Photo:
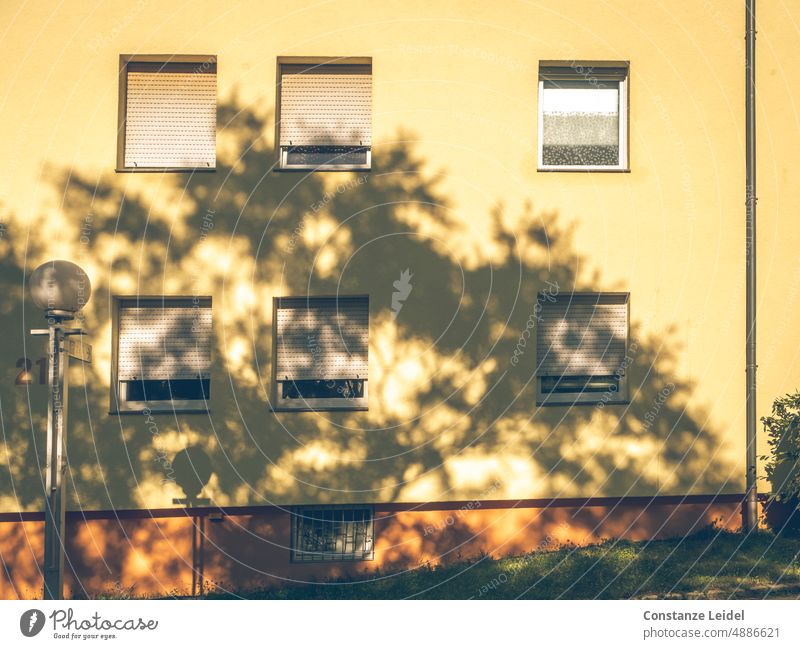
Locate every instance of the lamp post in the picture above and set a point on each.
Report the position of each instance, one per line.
(60, 289)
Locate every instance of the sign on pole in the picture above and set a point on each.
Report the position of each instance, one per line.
(78, 349)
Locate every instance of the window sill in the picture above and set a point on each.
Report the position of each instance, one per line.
(322, 405)
(300, 562)
(322, 168)
(580, 401)
(158, 170)
(162, 411)
(320, 409)
(605, 170)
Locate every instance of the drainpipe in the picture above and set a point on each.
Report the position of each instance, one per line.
(750, 509)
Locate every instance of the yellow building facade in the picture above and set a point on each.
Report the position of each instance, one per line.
(452, 450)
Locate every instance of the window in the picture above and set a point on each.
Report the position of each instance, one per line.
(581, 349)
(583, 116)
(167, 113)
(323, 533)
(324, 113)
(162, 354)
(320, 353)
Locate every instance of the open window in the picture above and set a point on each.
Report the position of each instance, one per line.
(167, 113)
(332, 533)
(583, 116)
(581, 349)
(324, 116)
(162, 354)
(320, 354)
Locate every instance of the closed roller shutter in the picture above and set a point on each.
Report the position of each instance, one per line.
(565, 72)
(322, 338)
(171, 117)
(582, 335)
(164, 342)
(326, 109)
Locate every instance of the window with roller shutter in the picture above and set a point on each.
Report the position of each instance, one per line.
(583, 115)
(162, 353)
(321, 347)
(324, 111)
(581, 348)
(168, 113)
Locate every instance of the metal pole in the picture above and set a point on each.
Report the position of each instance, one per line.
(56, 464)
(750, 509)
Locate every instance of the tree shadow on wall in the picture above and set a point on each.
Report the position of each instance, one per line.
(449, 416)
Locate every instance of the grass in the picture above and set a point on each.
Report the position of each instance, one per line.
(710, 564)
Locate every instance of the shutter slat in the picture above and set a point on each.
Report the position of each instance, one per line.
(322, 338)
(160, 343)
(581, 338)
(171, 119)
(326, 110)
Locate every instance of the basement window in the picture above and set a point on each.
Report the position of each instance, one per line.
(167, 113)
(321, 353)
(583, 116)
(324, 533)
(324, 114)
(162, 354)
(581, 349)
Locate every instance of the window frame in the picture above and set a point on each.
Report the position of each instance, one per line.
(122, 106)
(623, 165)
(277, 404)
(622, 394)
(319, 61)
(294, 514)
(120, 406)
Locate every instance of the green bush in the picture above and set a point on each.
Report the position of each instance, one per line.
(783, 428)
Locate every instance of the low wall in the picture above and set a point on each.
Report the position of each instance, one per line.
(151, 553)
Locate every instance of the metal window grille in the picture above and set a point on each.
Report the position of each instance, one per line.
(332, 534)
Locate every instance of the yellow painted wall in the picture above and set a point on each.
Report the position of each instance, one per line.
(454, 195)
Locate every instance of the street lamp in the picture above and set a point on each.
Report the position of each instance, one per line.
(60, 288)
